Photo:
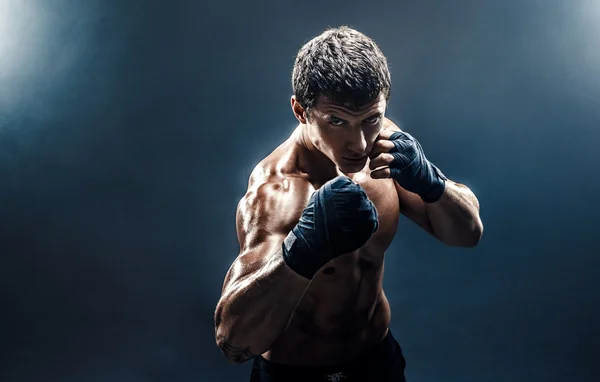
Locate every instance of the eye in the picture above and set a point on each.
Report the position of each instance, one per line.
(336, 121)
(373, 119)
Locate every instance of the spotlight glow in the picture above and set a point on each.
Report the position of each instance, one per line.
(22, 33)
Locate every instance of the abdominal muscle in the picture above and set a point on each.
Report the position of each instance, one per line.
(343, 313)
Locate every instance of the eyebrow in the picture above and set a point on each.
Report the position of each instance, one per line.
(335, 115)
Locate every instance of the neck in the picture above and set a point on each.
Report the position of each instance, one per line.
(312, 161)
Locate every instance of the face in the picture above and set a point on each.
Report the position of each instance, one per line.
(345, 136)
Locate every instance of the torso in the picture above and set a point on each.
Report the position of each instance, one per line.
(344, 311)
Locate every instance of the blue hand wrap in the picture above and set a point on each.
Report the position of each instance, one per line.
(413, 171)
(338, 219)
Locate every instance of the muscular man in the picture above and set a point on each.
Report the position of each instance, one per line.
(304, 297)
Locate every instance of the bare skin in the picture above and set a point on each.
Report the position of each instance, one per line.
(268, 309)
(344, 311)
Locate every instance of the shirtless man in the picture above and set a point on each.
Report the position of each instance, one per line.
(304, 297)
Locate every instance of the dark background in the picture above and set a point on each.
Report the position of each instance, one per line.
(128, 130)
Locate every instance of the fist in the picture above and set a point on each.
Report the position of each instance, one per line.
(398, 155)
(338, 219)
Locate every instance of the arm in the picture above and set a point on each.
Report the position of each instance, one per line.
(268, 280)
(453, 218)
(260, 292)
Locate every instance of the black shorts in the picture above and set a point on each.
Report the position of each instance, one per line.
(383, 363)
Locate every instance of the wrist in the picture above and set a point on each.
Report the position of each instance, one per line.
(299, 257)
(437, 185)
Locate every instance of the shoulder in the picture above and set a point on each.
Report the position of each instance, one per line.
(272, 204)
(389, 125)
(270, 189)
(281, 163)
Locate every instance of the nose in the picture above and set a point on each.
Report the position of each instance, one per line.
(357, 142)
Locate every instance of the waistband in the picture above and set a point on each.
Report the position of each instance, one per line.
(380, 353)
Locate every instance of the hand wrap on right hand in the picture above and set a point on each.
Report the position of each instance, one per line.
(338, 219)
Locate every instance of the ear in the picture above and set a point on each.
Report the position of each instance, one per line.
(298, 110)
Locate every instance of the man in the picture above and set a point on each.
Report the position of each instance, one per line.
(304, 298)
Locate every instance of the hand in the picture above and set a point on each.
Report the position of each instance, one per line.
(338, 219)
(399, 156)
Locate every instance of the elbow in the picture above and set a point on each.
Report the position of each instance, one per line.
(222, 335)
(230, 354)
(234, 353)
(473, 235)
(236, 348)
(469, 237)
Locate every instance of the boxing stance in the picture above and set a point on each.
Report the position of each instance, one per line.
(304, 297)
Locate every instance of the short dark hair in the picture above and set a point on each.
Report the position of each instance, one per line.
(343, 65)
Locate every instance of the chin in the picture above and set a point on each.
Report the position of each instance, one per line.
(350, 169)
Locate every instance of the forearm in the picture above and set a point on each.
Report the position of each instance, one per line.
(454, 218)
(254, 311)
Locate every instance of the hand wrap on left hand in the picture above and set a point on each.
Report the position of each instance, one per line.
(411, 169)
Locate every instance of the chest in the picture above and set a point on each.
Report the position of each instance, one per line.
(355, 278)
(352, 282)
(384, 196)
